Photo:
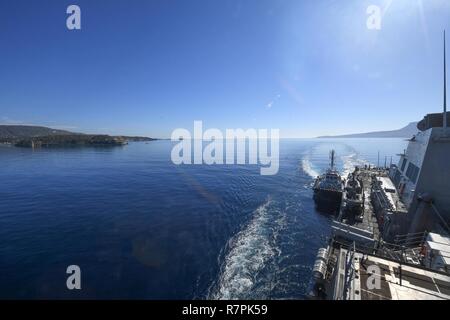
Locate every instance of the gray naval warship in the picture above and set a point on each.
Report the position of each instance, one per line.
(390, 239)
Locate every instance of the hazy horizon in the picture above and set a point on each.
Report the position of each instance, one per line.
(168, 137)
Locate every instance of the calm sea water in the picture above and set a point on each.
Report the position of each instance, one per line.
(140, 227)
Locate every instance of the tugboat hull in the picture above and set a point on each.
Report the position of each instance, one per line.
(327, 200)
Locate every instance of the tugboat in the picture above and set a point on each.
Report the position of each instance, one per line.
(328, 189)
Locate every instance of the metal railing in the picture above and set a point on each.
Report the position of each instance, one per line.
(411, 240)
(349, 269)
(405, 250)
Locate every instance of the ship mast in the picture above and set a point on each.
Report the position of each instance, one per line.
(445, 91)
(332, 159)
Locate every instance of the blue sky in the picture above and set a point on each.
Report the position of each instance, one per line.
(148, 67)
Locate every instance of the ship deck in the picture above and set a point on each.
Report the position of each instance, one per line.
(395, 281)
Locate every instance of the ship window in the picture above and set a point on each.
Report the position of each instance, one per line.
(404, 164)
(412, 172)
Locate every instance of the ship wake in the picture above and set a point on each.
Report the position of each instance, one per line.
(249, 254)
(351, 161)
(308, 168)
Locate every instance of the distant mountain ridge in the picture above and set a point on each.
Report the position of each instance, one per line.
(405, 132)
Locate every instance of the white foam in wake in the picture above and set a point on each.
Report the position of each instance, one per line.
(249, 252)
(307, 167)
(350, 162)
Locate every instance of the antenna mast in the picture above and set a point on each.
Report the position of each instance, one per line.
(332, 159)
(445, 90)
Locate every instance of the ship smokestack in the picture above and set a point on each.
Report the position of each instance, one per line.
(445, 89)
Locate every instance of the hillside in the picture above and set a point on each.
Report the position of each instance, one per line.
(37, 136)
(405, 132)
(20, 131)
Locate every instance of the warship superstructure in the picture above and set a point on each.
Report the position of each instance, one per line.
(328, 188)
(353, 197)
(390, 238)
